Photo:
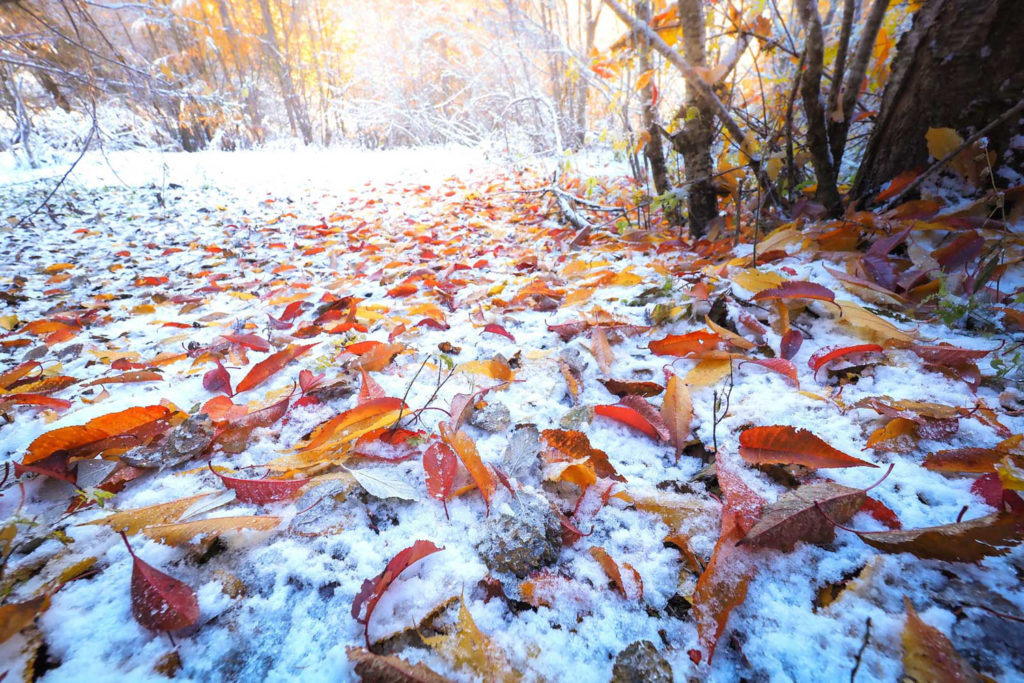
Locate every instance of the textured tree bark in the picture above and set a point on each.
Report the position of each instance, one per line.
(959, 66)
(653, 150)
(695, 138)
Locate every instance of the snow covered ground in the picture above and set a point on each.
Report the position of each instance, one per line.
(240, 236)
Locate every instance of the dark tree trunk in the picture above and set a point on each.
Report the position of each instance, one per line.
(697, 134)
(653, 150)
(959, 66)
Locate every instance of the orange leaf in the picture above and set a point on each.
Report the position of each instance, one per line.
(263, 370)
(466, 450)
(134, 424)
(791, 446)
(602, 350)
(351, 420)
(626, 579)
(685, 344)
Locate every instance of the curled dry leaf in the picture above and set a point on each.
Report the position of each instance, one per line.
(827, 354)
(785, 445)
(602, 350)
(796, 289)
(968, 541)
(585, 464)
(217, 380)
(17, 616)
(627, 388)
(160, 602)
(781, 366)
(373, 589)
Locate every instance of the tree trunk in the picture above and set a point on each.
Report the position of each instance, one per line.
(653, 150)
(296, 110)
(695, 138)
(959, 66)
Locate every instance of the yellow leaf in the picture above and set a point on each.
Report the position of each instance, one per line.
(942, 141)
(873, 327)
(708, 372)
(578, 296)
(8, 322)
(645, 79)
(177, 534)
(677, 411)
(894, 435)
(469, 648)
(494, 368)
(143, 309)
(626, 278)
(1010, 474)
(58, 267)
(134, 520)
(773, 167)
(755, 281)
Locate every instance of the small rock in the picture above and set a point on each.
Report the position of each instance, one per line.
(493, 417)
(641, 663)
(574, 359)
(527, 539)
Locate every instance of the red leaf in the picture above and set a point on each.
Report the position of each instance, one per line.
(250, 341)
(387, 444)
(685, 344)
(160, 602)
(898, 184)
(373, 589)
(945, 354)
(649, 413)
(784, 367)
(261, 491)
(790, 344)
(722, 585)
(791, 446)
(628, 416)
(432, 324)
(796, 289)
(263, 370)
(494, 328)
(34, 400)
(828, 354)
(217, 380)
(440, 466)
(308, 381)
(989, 488)
(882, 512)
(566, 331)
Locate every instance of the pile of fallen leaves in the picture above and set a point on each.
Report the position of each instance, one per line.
(425, 370)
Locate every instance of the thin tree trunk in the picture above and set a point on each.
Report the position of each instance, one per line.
(296, 111)
(653, 150)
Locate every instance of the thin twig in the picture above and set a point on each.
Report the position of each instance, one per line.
(860, 652)
(46, 200)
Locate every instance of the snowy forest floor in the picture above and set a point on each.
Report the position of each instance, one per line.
(569, 527)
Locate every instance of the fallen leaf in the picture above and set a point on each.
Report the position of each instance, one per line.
(440, 465)
(785, 445)
(468, 647)
(382, 482)
(797, 516)
(183, 532)
(968, 541)
(929, 656)
(160, 602)
(677, 412)
(796, 289)
(682, 345)
(466, 450)
(262, 491)
(373, 589)
(374, 668)
(626, 579)
(270, 365)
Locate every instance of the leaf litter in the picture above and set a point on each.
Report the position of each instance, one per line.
(274, 399)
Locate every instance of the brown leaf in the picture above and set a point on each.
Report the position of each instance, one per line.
(373, 668)
(929, 656)
(978, 460)
(797, 516)
(17, 616)
(627, 388)
(792, 446)
(573, 446)
(677, 412)
(602, 351)
(968, 541)
(631, 588)
(466, 450)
